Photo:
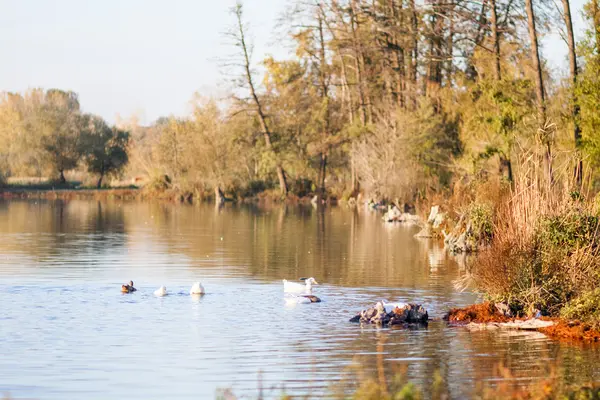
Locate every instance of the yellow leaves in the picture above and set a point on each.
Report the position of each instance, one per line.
(282, 76)
(304, 46)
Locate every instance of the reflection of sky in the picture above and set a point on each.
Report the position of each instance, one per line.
(69, 333)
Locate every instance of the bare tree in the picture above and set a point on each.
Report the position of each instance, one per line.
(240, 40)
(575, 106)
(495, 40)
(541, 101)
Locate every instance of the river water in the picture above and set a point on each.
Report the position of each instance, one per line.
(66, 331)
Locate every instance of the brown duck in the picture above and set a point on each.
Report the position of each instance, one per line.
(128, 288)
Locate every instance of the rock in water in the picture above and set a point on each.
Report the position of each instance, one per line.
(409, 314)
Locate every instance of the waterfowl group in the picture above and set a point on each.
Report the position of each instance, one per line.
(296, 293)
(196, 289)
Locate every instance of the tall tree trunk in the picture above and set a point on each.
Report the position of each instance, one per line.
(596, 22)
(283, 187)
(495, 40)
(396, 20)
(99, 184)
(471, 72)
(505, 162)
(575, 110)
(539, 81)
(354, 174)
(450, 48)
(434, 68)
(346, 92)
(62, 176)
(322, 175)
(414, 33)
(400, 78)
(365, 101)
(325, 98)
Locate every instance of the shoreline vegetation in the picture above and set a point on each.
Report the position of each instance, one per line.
(66, 192)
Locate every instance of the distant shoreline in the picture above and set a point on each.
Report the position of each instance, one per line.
(138, 194)
(51, 193)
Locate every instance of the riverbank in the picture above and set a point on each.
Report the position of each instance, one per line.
(498, 316)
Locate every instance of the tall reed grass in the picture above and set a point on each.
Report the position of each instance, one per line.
(545, 252)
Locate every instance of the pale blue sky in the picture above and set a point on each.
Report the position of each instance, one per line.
(139, 56)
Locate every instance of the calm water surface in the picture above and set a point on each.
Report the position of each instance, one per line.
(66, 331)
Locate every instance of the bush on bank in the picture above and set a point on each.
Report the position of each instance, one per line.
(544, 256)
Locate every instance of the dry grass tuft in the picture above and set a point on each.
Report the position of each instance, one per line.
(479, 313)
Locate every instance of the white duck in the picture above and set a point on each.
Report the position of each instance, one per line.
(161, 291)
(293, 287)
(197, 288)
(292, 299)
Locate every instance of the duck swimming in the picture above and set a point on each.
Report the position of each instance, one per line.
(161, 291)
(128, 288)
(302, 299)
(197, 288)
(293, 287)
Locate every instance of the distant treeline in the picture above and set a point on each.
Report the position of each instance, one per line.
(393, 98)
(44, 133)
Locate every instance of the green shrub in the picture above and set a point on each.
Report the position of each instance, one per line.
(566, 232)
(481, 217)
(585, 307)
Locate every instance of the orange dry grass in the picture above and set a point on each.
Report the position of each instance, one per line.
(572, 330)
(480, 313)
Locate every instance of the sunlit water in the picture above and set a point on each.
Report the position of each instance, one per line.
(66, 331)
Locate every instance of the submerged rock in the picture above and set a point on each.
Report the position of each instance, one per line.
(393, 214)
(436, 218)
(432, 225)
(411, 313)
(401, 314)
